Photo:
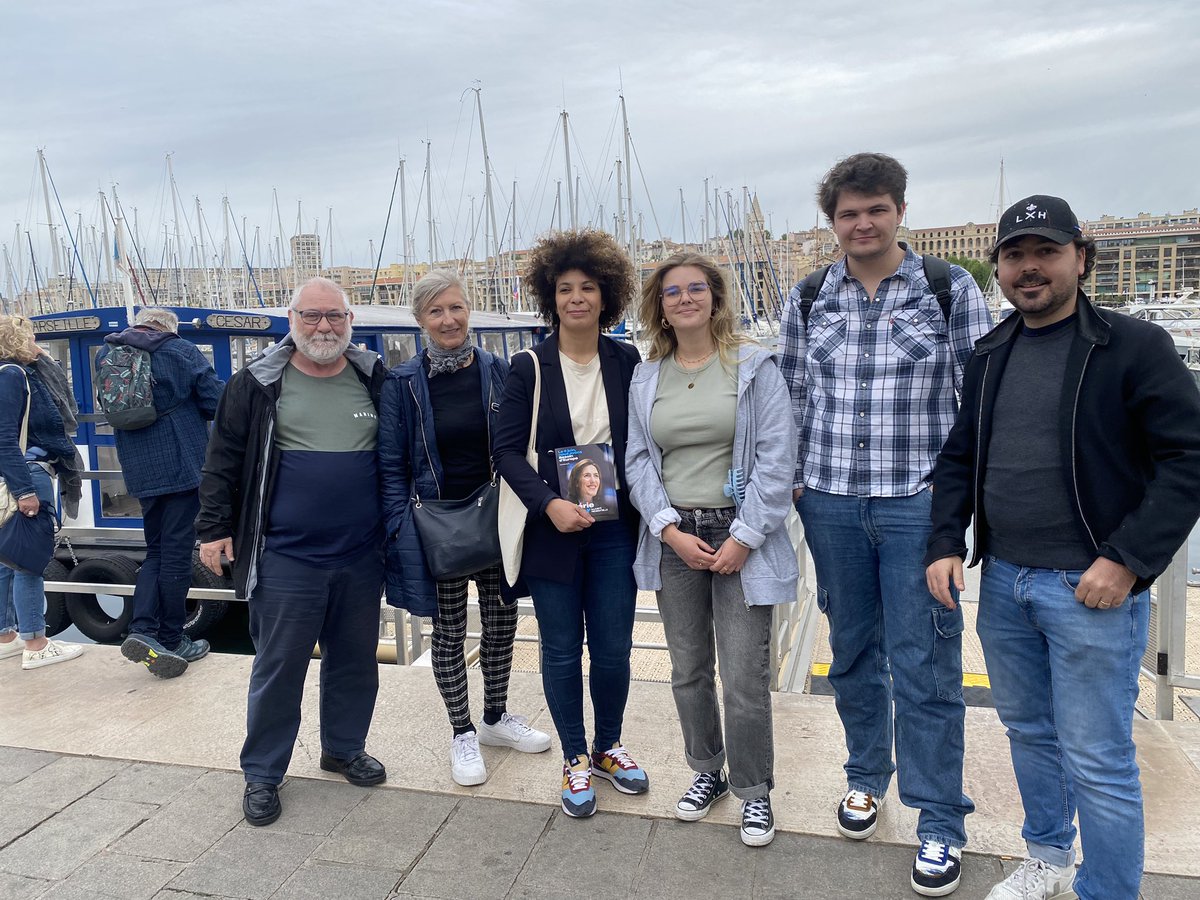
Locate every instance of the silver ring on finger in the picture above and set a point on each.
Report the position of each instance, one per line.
(1104, 604)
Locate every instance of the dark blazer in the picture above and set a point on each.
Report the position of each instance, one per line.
(549, 553)
(1130, 436)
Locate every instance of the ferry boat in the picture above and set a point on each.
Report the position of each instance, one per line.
(104, 544)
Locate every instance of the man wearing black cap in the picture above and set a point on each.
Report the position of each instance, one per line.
(1077, 450)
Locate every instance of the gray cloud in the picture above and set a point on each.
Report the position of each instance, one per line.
(318, 100)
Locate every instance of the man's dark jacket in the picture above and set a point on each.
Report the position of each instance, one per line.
(1129, 429)
(242, 461)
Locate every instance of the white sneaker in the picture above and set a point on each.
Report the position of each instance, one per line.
(53, 652)
(466, 765)
(858, 814)
(513, 731)
(1036, 880)
(13, 648)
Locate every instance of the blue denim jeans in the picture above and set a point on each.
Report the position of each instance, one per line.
(1065, 680)
(293, 608)
(600, 600)
(704, 613)
(897, 654)
(160, 598)
(22, 596)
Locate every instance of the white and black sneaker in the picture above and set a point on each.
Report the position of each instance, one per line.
(937, 869)
(758, 824)
(858, 814)
(707, 788)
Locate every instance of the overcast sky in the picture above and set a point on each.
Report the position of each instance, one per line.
(1093, 101)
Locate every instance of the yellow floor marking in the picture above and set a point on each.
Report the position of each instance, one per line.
(970, 679)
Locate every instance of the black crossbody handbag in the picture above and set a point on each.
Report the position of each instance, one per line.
(460, 537)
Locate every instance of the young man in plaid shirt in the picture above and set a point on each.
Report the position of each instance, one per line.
(873, 369)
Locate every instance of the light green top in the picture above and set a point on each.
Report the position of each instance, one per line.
(694, 427)
(333, 415)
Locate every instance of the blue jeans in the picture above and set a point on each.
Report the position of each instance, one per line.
(600, 599)
(21, 594)
(893, 644)
(293, 608)
(160, 598)
(1065, 680)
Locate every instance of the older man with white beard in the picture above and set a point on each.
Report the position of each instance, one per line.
(289, 494)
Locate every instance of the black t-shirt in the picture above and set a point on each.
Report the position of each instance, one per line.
(460, 422)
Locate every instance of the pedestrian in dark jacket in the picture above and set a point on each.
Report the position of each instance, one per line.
(437, 417)
(26, 464)
(579, 570)
(290, 494)
(1077, 452)
(161, 467)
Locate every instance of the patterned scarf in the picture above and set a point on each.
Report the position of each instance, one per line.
(443, 362)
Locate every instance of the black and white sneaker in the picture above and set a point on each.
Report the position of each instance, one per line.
(937, 869)
(858, 814)
(707, 788)
(758, 824)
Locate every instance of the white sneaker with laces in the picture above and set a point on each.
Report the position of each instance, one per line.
(15, 647)
(1035, 879)
(53, 652)
(466, 764)
(515, 732)
(758, 823)
(858, 815)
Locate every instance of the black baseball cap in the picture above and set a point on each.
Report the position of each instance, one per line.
(1041, 215)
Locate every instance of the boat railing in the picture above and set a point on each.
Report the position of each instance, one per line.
(404, 638)
(1165, 661)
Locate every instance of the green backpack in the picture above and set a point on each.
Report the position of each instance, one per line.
(125, 388)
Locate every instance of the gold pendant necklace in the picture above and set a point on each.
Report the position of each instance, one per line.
(685, 363)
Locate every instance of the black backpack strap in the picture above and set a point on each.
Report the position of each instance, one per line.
(809, 288)
(937, 273)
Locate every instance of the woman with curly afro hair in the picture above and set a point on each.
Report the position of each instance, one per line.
(578, 571)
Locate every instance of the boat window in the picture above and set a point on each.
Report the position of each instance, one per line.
(101, 428)
(493, 342)
(115, 502)
(60, 352)
(242, 350)
(398, 347)
(513, 339)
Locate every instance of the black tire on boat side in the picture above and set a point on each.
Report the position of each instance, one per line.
(86, 612)
(57, 617)
(204, 614)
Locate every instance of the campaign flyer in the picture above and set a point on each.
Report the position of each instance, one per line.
(588, 478)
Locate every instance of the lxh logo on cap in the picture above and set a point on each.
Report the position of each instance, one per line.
(1031, 212)
(1039, 215)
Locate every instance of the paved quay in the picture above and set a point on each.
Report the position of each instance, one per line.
(117, 785)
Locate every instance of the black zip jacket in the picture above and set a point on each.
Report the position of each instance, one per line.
(1130, 443)
(241, 462)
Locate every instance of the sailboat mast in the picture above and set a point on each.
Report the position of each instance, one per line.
(632, 245)
(50, 217)
(403, 236)
(571, 199)
(178, 242)
(494, 294)
(429, 198)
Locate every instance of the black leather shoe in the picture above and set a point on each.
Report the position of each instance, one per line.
(364, 770)
(260, 803)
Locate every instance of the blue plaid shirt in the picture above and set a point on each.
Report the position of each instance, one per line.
(874, 382)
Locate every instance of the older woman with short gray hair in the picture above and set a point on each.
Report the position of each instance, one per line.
(437, 416)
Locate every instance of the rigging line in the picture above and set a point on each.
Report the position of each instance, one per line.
(735, 264)
(462, 187)
(74, 243)
(383, 240)
(593, 176)
(245, 258)
(536, 199)
(36, 283)
(137, 251)
(642, 176)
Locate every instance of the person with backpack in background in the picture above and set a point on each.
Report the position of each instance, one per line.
(158, 392)
(874, 356)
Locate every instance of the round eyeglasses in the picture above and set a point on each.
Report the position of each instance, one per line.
(674, 294)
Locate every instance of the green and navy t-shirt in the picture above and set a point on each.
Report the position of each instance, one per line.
(324, 508)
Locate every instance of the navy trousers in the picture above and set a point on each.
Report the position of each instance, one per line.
(293, 608)
(160, 597)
